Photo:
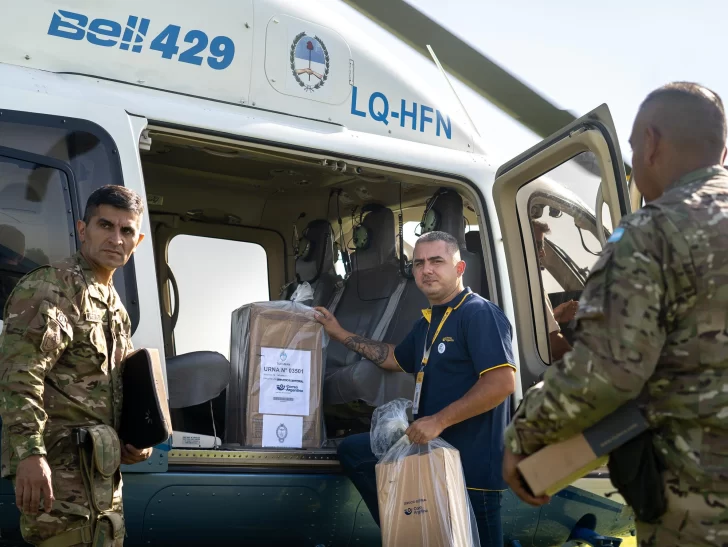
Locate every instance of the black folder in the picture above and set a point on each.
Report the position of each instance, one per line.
(145, 420)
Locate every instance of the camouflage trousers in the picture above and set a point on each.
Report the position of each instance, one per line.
(693, 517)
(71, 509)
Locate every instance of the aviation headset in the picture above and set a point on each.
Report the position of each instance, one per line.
(431, 217)
(305, 247)
(361, 235)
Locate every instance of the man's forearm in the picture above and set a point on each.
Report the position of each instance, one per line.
(379, 353)
(559, 345)
(490, 391)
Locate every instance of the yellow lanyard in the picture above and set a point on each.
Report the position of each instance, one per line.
(426, 356)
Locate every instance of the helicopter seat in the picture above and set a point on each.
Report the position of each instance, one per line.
(368, 303)
(198, 383)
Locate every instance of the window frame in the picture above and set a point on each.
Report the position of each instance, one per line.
(166, 281)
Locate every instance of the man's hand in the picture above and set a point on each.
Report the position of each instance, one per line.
(563, 313)
(33, 478)
(131, 455)
(515, 480)
(425, 429)
(330, 323)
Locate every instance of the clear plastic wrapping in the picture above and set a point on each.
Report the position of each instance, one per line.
(303, 294)
(423, 501)
(275, 393)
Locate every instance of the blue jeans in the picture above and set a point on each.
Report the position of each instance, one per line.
(355, 456)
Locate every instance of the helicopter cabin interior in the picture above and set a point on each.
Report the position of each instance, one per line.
(293, 220)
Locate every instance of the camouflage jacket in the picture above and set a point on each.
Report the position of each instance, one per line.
(63, 341)
(654, 317)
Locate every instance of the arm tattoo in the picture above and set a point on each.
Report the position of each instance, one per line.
(376, 352)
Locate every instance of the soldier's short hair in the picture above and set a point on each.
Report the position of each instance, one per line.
(693, 114)
(116, 196)
(452, 244)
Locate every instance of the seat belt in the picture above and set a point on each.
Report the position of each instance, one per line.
(340, 286)
(383, 324)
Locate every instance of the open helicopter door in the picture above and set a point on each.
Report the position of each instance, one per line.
(56, 150)
(572, 188)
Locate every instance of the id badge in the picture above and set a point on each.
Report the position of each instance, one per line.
(418, 392)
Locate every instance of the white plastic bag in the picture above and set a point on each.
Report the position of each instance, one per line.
(423, 501)
(302, 293)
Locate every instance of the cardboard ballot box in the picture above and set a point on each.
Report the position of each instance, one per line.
(423, 501)
(556, 466)
(278, 354)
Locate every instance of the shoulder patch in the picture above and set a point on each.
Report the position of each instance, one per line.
(62, 320)
(52, 337)
(616, 235)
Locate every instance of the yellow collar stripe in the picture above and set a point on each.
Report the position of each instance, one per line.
(427, 314)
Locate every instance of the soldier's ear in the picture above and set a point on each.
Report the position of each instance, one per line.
(81, 229)
(653, 139)
(141, 237)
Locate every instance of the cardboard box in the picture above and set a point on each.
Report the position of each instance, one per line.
(423, 502)
(284, 385)
(556, 466)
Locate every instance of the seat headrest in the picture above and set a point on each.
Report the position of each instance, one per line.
(449, 206)
(382, 241)
(472, 240)
(320, 259)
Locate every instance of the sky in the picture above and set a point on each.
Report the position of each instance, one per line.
(576, 54)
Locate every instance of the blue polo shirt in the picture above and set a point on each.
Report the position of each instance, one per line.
(475, 339)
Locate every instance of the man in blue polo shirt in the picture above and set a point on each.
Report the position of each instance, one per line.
(461, 354)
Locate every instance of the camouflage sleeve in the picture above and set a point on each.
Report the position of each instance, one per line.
(619, 337)
(39, 327)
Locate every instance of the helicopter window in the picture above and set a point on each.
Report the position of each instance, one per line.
(224, 275)
(564, 228)
(34, 220)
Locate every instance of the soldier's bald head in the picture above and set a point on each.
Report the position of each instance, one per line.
(688, 114)
(680, 127)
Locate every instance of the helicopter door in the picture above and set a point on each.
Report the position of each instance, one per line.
(557, 204)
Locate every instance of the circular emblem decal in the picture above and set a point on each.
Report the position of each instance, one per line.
(281, 433)
(441, 347)
(309, 62)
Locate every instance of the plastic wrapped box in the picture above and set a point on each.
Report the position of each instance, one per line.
(277, 356)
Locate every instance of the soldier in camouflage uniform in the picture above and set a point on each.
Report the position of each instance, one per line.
(65, 334)
(653, 323)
